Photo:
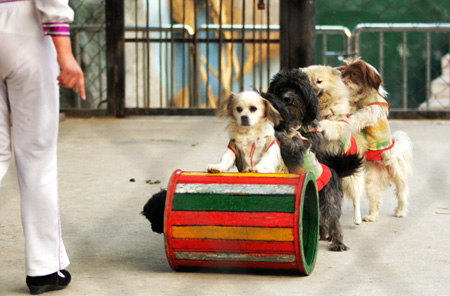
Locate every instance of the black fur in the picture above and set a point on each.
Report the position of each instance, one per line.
(154, 210)
(294, 98)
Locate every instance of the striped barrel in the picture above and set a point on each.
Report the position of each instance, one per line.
(245, 220)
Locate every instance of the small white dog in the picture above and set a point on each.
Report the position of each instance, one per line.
(388, 157)
(253, 146)
(340, 138)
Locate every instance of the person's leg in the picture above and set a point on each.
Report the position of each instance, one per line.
(34, 102)
(5, 130)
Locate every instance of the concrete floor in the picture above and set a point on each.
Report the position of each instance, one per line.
(114, 252)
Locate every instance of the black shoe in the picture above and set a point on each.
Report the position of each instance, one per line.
(51, 282)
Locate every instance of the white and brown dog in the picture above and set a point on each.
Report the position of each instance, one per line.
(253, 146)
(388, 157)
(340, 138)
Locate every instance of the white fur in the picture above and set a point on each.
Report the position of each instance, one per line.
(249, 124)
(396, 165)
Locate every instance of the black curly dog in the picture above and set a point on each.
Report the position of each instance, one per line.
(293, 96)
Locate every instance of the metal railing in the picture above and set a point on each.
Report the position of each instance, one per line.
(238, 36)
(404, 29)
(169, 35)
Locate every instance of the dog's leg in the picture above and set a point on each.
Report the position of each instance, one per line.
(226, 162)
(353, 187)
(376, 177)
(330, 200)
(399, 178)
(269, 161)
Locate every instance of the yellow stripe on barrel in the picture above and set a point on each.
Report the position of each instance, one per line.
(233, 233)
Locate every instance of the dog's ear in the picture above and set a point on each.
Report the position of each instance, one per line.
(336, 72)
(271, 113)
(373, 79)
(226, 106)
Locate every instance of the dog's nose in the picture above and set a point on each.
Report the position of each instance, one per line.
(244, 120)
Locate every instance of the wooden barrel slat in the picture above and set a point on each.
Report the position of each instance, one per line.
(264, 219)
(238, 203)
(234, 232)
(237, 264)
(242, 257)
(210, 245)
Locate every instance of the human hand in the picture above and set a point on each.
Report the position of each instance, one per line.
(71, 75)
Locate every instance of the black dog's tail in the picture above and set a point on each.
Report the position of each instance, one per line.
(344, 165)
(154, 211)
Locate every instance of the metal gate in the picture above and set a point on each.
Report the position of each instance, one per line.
(159, 57)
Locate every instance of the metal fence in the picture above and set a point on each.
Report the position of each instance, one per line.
(184, 56)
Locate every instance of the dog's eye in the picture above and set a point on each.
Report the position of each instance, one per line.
(319, 81)
(287, 100)
(239, 109)
(253, 109)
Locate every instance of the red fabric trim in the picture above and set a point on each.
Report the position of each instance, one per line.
(324, 177)
(375, 155)
(353, 148)
(271, 144)
(229, 147)
(380, 103)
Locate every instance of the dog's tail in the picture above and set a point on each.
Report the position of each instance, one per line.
(344, 165)
(154, 211)
(402, 151)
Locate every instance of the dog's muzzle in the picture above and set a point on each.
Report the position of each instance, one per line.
(244, 120)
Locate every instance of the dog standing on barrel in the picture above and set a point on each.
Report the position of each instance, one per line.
(253, 146)
(388, 157)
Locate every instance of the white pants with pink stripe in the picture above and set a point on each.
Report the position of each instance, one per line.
(29, 117)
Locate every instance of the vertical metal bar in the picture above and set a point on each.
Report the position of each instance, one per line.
(381, 53)
(298, 45)
(324, 48)
(207, 52)
(100, 56)
(260, 50)
(147, 54)
(167, 68)
(160, 59)
(428, 63)
(241, 74)
(220, 51)
(405, 72)
(268, 43)
(171, 52)
(232, 44)
(115, 41)
(136, 46)
(254, 42)
(184, 53)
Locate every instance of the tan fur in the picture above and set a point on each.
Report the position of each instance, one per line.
(334, 102)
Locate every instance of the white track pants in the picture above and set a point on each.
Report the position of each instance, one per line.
(29, 92)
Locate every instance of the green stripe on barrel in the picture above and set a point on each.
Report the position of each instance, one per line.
(239, 203)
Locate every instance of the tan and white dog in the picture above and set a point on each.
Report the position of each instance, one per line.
(253, 146)
(340, 137)
(388, 157)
